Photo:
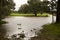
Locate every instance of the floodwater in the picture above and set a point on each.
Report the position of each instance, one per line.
(28, 25)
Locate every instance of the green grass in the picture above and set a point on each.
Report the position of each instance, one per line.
(52, 28)
(3, 22)
(29, 15)
(49, 32)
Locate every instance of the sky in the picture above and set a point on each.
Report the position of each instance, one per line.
(19, 3)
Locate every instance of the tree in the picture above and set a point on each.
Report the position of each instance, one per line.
(38, 6)
(23, 8)
(52, 6)
(34, 6)
(44, 6)
(58, 12)
(5, 8)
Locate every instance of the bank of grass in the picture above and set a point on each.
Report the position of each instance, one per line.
(49, 32)
(29, 15)
(2, 22)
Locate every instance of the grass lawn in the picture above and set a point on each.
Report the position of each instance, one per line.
(49, 32)
(53, 28)
(29, 15)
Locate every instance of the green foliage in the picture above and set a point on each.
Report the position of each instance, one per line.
(23, 8)
(5, 8)
(35, 6)
(38, 6)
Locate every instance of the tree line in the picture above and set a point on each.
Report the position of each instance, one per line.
(38, 6)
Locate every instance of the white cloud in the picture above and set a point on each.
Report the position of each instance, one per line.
(19, 3)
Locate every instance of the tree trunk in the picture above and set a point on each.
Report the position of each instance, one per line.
(35, 14)
(58, 12)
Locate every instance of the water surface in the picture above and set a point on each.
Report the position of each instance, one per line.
(29, 25)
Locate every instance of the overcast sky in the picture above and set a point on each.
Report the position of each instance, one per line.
(19, 3)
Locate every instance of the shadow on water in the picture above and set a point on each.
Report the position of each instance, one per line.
(2, 32)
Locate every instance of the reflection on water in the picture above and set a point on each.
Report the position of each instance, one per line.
(29, 25)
